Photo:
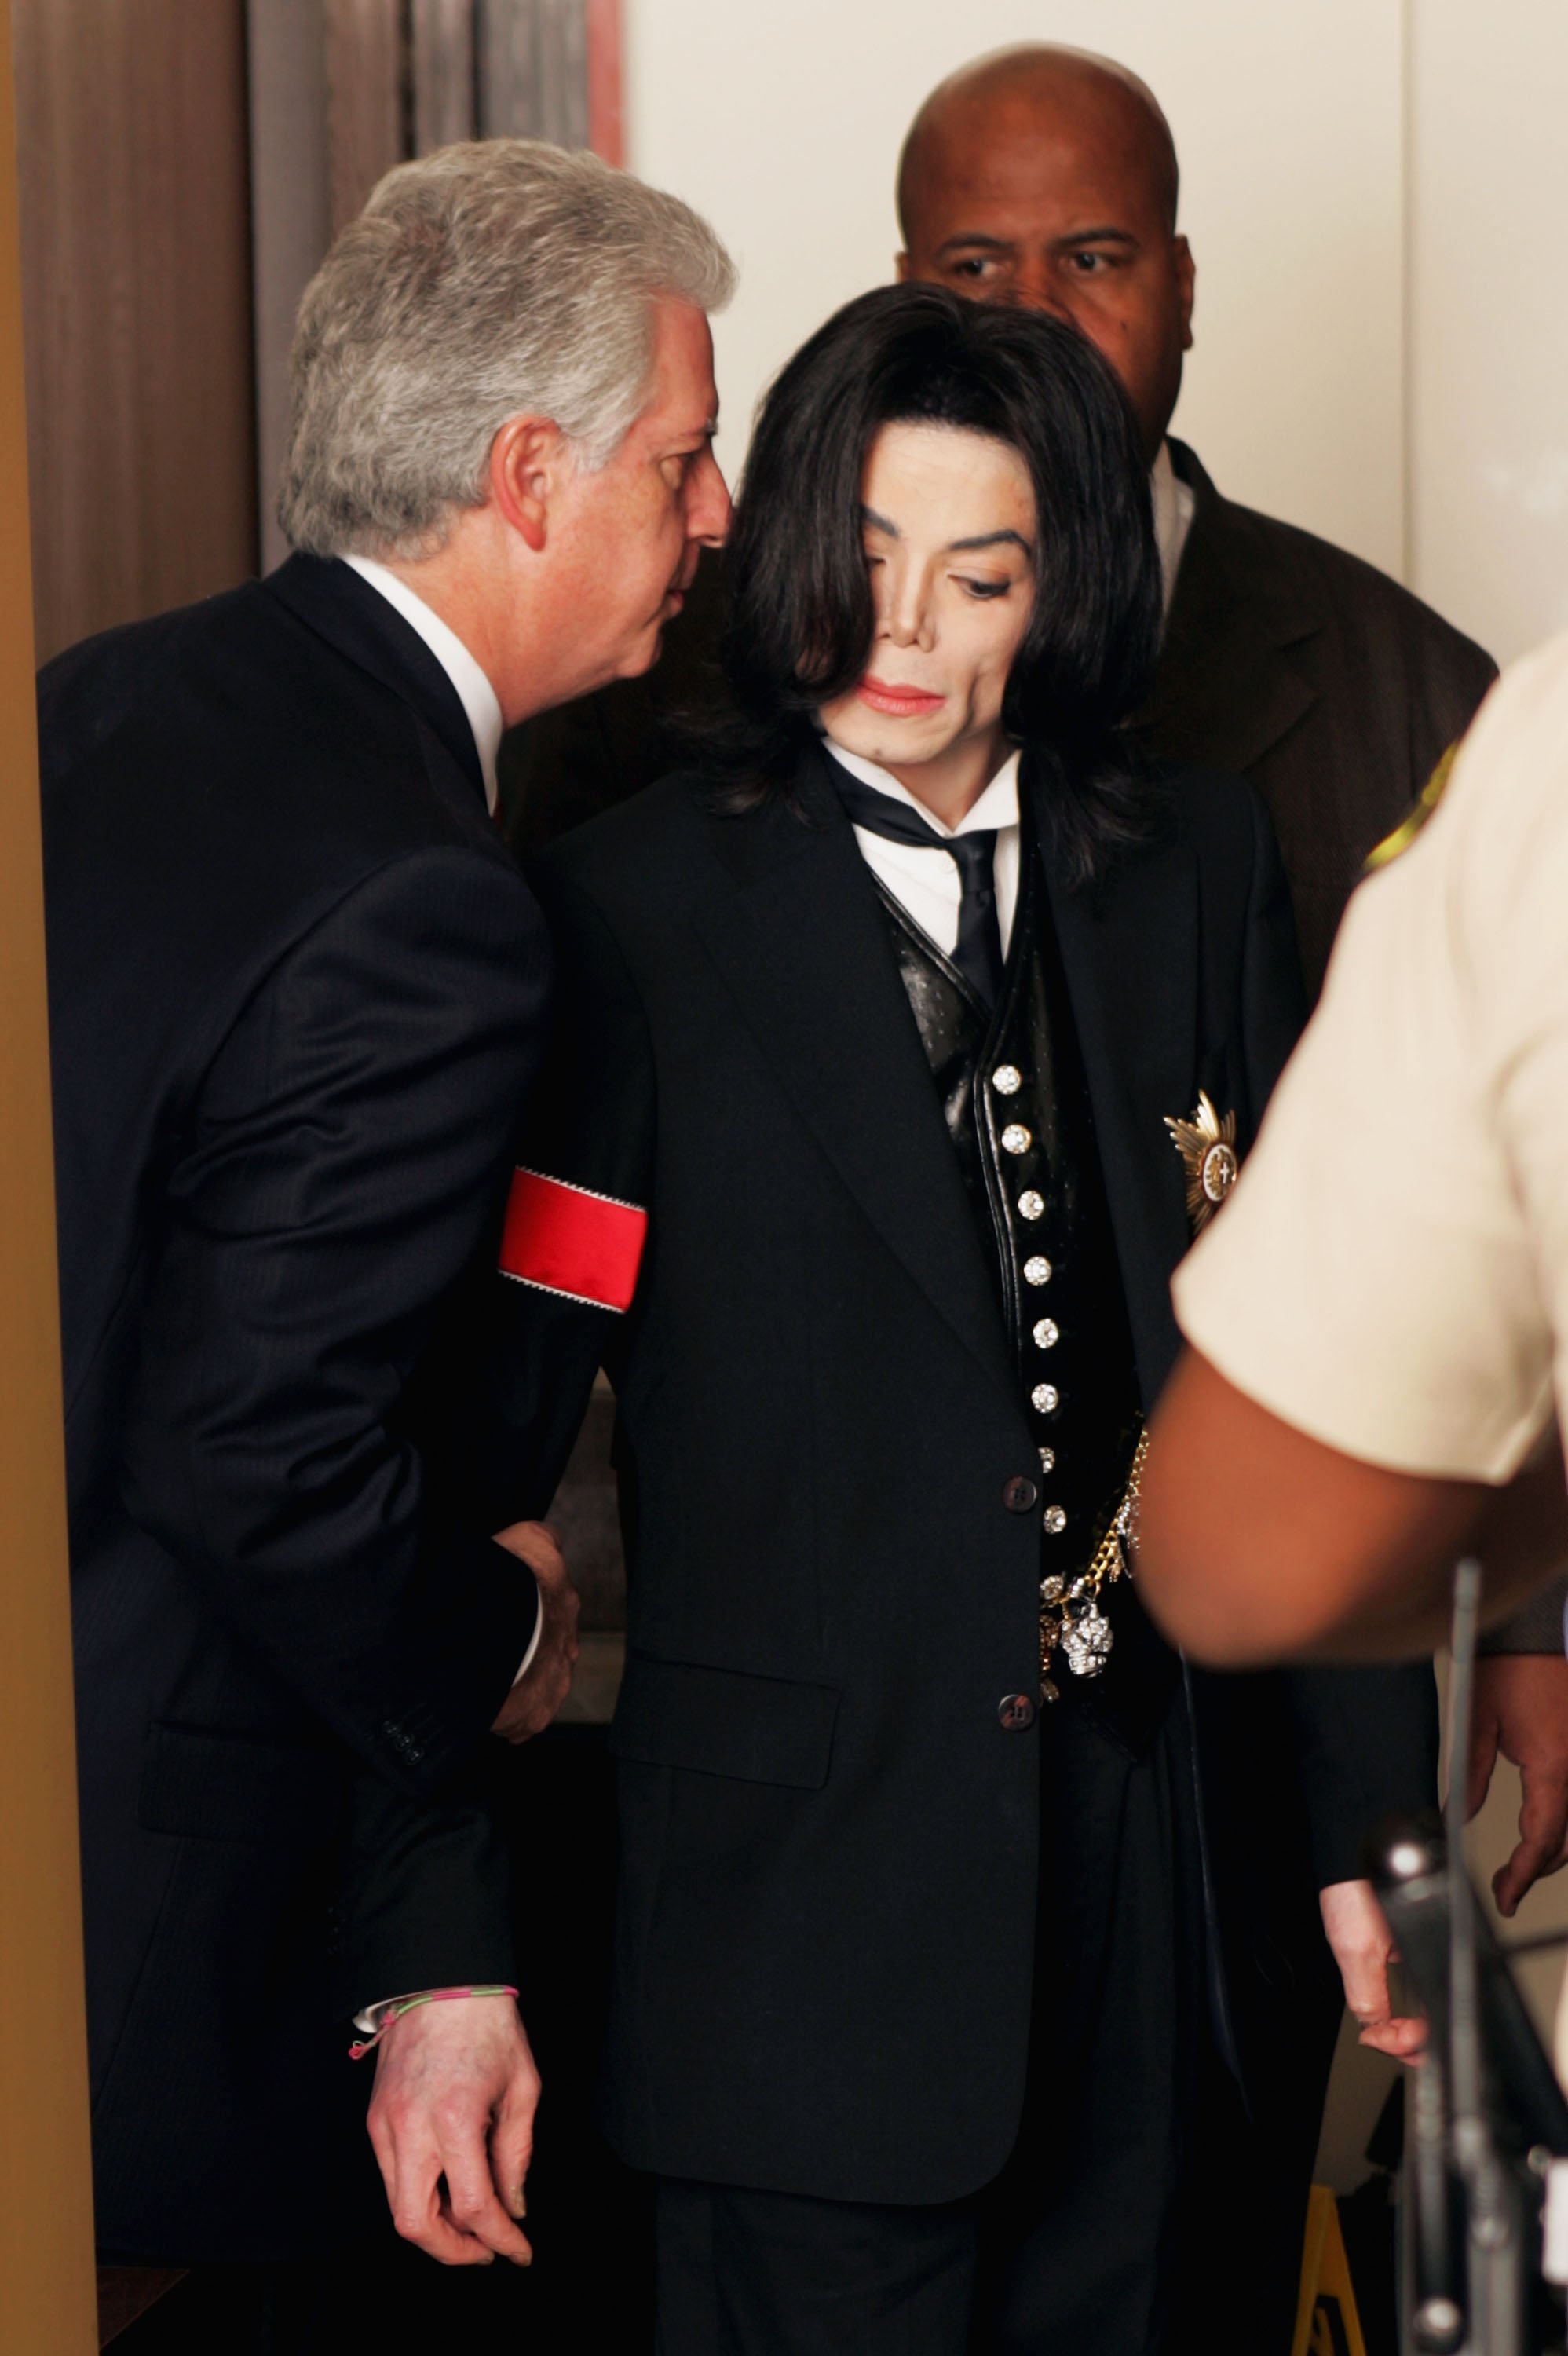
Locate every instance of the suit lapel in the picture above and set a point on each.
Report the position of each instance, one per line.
(801, 943)
(1226, 690)
(1130, 954)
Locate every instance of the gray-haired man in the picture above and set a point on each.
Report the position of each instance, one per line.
(298, 993)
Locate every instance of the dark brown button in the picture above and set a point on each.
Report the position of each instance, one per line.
(1015, 1710)
(1018, 1495)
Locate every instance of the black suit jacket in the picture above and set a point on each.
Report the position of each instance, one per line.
(1313, 675)
(825, 1952)
(1285, 661)
(297, 992)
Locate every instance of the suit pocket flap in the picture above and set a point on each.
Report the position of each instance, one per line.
(215, 1786)
(724, 1722)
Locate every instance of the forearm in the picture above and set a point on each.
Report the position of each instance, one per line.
(1257, 1543)
(425, 1893)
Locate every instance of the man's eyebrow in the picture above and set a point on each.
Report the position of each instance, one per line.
(991, 540)
(880, 523)
(1103, 236)
(977, 236)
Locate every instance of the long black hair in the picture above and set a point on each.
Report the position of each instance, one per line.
(800, 611)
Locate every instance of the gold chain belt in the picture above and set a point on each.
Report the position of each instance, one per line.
(1071, 1619)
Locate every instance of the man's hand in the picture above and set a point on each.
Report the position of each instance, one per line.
(1521, 1709)
(1363, 1948)
(451, 2120)
(536, 1698)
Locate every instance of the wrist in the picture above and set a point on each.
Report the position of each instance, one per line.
(377, 2019)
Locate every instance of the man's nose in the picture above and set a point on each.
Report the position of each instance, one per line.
(707, 505)
(908, 614)
(1035, 285)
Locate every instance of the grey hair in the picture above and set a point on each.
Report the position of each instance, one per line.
(492, 279)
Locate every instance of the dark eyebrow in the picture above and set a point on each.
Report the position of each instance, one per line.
(975, 240)
(980, 539)
(991, 540)
(974, 237)
(1105, 236)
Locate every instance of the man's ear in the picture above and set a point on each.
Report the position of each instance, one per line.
(529, 461)
(1187, 286)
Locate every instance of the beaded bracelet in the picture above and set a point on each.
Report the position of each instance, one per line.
(395, 2009)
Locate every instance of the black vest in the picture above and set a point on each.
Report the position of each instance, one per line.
(1016, 1105)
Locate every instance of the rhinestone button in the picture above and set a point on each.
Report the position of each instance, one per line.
(1006, 1080)
(1016, 1138)
(1037, 1270)
(1047, 1460)
(1055, 1520)
(1047, 1334)
(1031, 1205)
(1043, 1397)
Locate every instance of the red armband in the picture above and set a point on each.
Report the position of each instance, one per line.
(566, 1240)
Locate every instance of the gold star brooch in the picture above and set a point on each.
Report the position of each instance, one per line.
(1207, 1149)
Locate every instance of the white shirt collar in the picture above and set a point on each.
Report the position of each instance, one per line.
(998, 805)
(474, 693)
(1173, 505)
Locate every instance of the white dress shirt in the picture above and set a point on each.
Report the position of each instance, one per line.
(925, 883)
(1173, 506)
(474, 691)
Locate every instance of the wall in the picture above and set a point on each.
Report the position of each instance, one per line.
(1488, 321)
(1376, 192)
(45, 2198)
(136, 289)
(783, 125)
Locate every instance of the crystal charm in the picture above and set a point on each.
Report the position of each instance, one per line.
(1031, 1205)
(1087, 1644)
(1016, 1138)
(1047, 1460)
(1047, 1334)
(1055, 1520)
(1043, 1397)
(1006, 1080)
(1037, 1270)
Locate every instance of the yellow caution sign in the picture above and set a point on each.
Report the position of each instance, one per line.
(1326, 2323)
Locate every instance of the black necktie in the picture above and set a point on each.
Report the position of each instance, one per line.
(978, 955)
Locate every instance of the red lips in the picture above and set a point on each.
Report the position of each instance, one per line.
(899, 700)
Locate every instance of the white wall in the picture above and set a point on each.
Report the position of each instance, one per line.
(1490, 316)
(781, 120)
(1376, 191)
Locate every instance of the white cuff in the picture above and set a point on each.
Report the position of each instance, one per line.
(533, 1641)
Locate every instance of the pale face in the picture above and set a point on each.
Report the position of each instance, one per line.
(949, 524)
(628, 537)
